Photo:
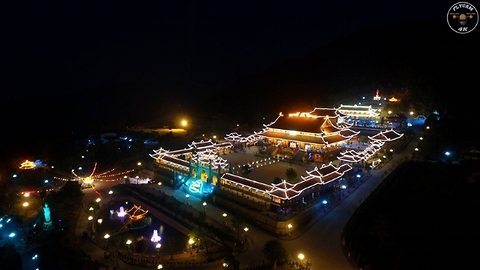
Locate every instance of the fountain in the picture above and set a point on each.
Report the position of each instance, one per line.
(121, 212)
(155, 237)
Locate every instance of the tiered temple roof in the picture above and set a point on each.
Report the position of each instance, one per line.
(209, 157)
(356, 111)
(353, 156)
(287, 191)
(198, 146)
(235, 137)
(320, 126)
(387, 136)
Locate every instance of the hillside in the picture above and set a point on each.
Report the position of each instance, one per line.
(426, 63)
(423, 59)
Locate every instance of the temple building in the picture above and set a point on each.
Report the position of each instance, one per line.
(285, 195)
(359, 115)
(318, 131)
(199, 166)
(352, 156)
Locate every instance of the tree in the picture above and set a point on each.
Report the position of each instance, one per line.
(275, 252)
(245, 170)
(238, 221)
(291, 175)
(277, 180)
(201, 235)
(231, 263)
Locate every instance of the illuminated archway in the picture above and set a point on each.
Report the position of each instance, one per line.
(204, 175)
(214, 180)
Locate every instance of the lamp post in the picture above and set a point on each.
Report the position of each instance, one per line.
(289, 226)
(106, 236)
(128, 244)
(190, 242)
(187, 196)
(204, 207)
(342, 187)
(158, 246)
(224, 220)
(301, 257)
(98, 200)
(245, 235)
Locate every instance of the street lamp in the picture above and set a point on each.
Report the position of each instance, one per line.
(25, 204)
(106, 236)
(128, 244)
(225, 216)
(204, 207)
(190, 242)
(99, 221)
(289, 226)
(98, 200)
(301, 257)
(245, 234)
(158, 246)
(90, 218)
(187, 196)
(325, 204)
(159, 266)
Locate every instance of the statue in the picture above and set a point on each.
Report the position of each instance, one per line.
(48, 222)
(46, 213)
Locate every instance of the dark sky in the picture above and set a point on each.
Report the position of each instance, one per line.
(60, 46)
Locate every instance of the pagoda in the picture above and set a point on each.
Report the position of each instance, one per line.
(313, 131)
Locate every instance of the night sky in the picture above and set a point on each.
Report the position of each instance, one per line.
(60, 47)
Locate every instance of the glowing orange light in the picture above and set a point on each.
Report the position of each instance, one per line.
(27, 165)
(393, 99)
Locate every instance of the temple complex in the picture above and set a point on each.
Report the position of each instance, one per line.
(201, 168)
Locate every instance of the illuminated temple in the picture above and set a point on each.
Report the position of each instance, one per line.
(315, 132)
(200, 168)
